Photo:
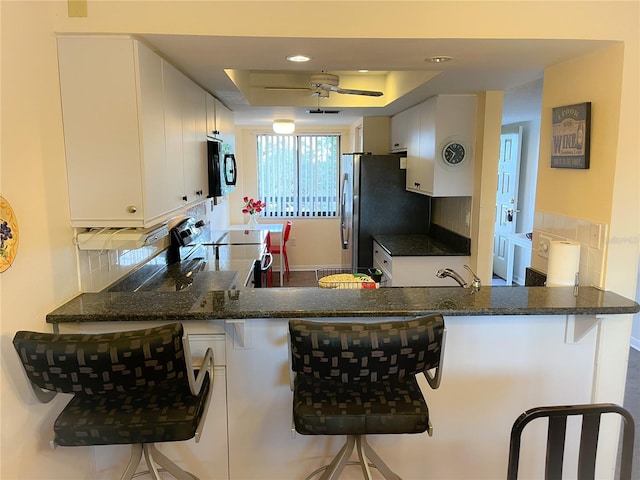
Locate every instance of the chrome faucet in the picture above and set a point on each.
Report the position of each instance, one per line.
(449, 272)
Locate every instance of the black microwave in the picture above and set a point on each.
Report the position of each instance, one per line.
(222, 168)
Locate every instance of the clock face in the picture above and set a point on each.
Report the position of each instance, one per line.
(454, 153)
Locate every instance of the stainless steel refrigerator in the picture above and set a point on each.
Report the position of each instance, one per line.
(374, 201)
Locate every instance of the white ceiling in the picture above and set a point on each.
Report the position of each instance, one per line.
(515, 66)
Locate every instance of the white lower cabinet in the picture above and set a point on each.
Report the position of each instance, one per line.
(416, 271)
(208, 458)
(262, 444)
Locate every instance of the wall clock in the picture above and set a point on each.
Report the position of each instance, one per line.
(454, 152)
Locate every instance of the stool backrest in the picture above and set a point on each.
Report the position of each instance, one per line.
(106, 362)
(556, 436)
(287, 231)
(368, 352)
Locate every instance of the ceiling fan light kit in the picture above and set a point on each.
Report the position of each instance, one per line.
(284, 127)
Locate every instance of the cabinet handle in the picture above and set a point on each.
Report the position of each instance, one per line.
(132, 209)
(184, 198)
(416, 184)
(396, 144)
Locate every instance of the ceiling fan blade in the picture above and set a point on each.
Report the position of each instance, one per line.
(347, 91)
(288, 88)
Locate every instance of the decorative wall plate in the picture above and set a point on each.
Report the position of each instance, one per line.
(8, 235)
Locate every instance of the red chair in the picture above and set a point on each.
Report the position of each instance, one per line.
(275, 248)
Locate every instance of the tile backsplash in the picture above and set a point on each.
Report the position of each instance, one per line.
(592, 237)
(99, 269)
(452, 213)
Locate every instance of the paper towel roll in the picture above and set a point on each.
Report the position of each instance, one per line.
(564, 263)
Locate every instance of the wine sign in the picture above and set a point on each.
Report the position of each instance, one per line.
(570, 136)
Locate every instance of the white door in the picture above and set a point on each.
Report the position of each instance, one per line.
(506, 200)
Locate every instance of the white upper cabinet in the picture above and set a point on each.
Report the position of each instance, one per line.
(112, 105)
(444, 164)
(134, 132)
(401, 124)
(220, 121)
(194, 140)
(174, 82)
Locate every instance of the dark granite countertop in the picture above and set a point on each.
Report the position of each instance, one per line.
(194, 304)
(415, 246)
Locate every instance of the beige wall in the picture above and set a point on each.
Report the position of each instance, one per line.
(45, 272)
(583, 193)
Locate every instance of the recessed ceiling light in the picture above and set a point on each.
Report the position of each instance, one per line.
(298, 58)
(438, 59)
(363, 70)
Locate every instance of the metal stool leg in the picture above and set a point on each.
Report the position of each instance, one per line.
(134, 461)
(364, 463)
(338, 463)
(377, 461)
(166, 463)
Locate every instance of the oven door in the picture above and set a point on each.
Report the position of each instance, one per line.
(261, 269)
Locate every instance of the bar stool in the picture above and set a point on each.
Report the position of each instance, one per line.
(556, 435)
(356, 379)
(136, 388)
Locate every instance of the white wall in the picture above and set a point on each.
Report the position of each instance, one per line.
(45, 273)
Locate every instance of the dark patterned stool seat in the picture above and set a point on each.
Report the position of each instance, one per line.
(169, 412)
(135, 387)
(322, 407)
(356, 379)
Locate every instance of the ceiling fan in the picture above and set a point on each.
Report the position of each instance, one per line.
(323, 83)
(327, 82)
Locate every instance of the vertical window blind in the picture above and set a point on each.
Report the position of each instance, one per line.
(298, 175)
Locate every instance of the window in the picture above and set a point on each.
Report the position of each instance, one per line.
(298, 175)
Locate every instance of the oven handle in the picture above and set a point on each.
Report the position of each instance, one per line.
(266, 267)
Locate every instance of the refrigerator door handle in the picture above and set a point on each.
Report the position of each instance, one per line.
(344, 233)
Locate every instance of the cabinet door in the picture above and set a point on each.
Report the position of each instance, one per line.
(211, 115)
(425, 168)
(209, 457)
(421, 271)
(151, 111)
(225, 124)
(174, 82)
(399, 125)
(382, 261)
(99, 106)
(194, 117)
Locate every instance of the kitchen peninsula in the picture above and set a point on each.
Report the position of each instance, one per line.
(508, 349)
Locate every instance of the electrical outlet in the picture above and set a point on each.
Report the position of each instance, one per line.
(544, 246)
(594, 240)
